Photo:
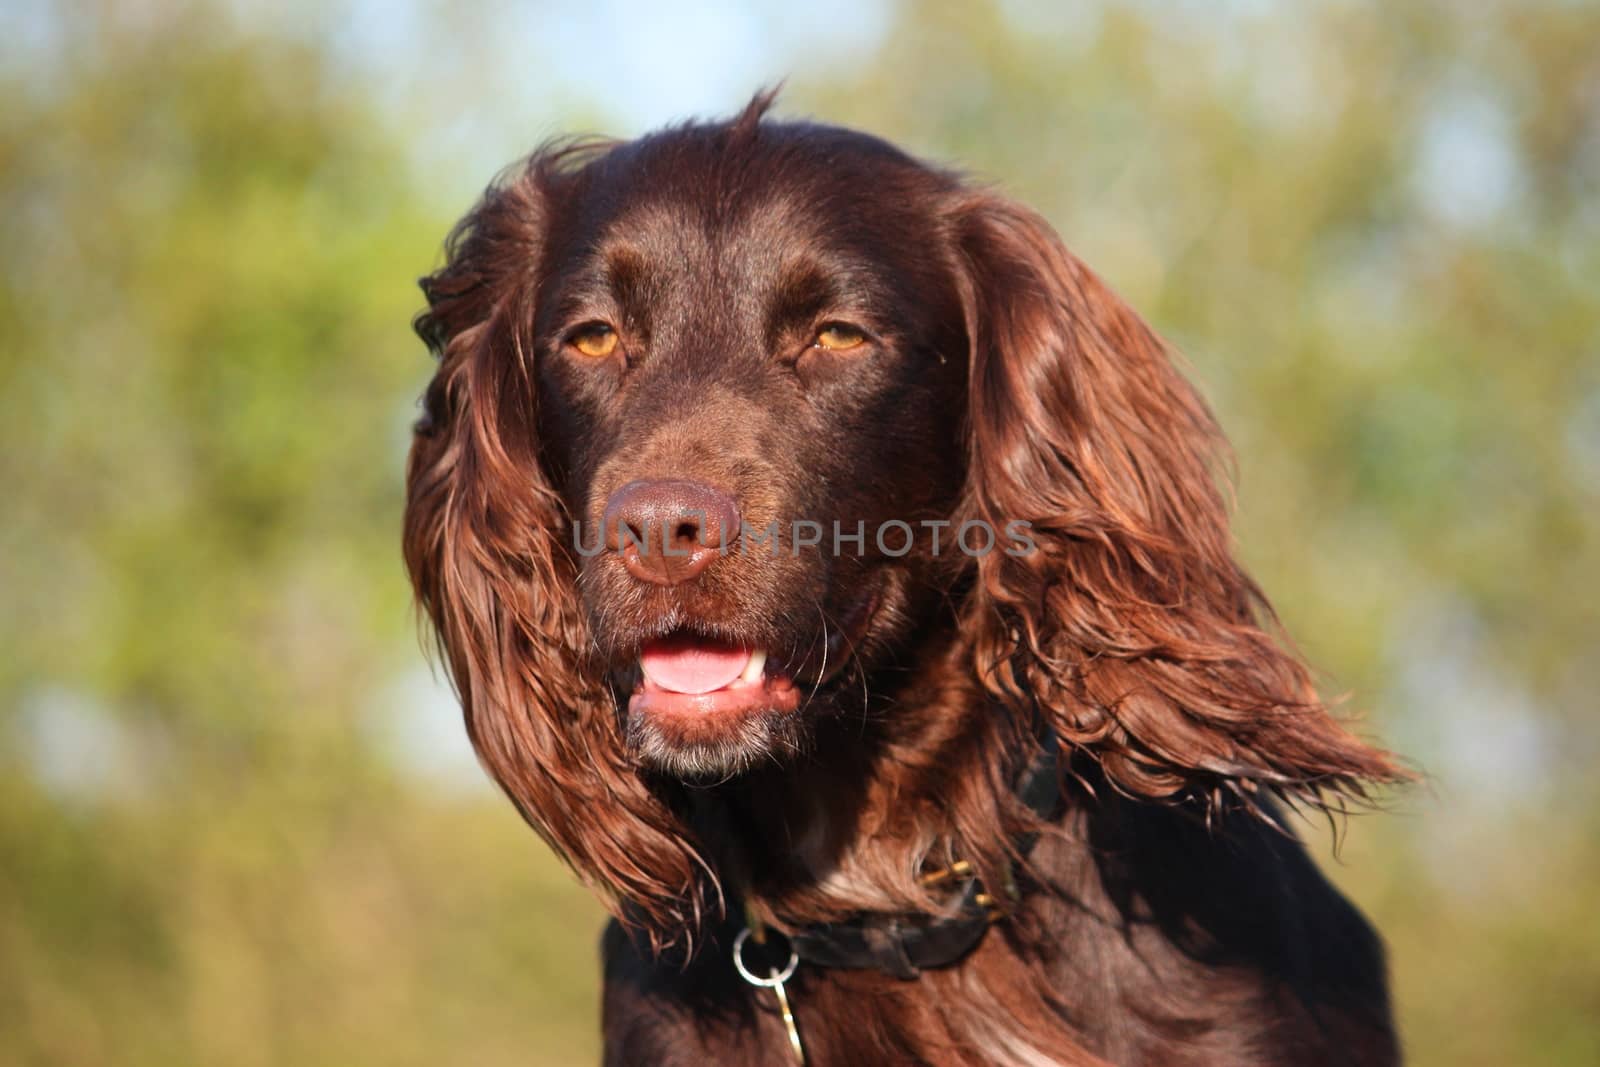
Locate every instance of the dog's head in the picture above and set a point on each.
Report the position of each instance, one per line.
(729, 417)
(748, 349)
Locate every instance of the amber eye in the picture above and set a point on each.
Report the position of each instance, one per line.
(596, 340)
(839, 336)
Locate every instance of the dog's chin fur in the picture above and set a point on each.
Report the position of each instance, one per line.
(758, 737)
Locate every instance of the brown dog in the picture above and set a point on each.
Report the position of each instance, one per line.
(819, 548)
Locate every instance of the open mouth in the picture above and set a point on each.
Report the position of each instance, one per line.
(687, 674)
(703, 706)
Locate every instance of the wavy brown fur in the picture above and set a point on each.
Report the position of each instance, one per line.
(486, 543)
(1134, 624)
(1167, 917)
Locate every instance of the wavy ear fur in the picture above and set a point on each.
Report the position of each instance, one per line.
(1132, 626)
(485, 543)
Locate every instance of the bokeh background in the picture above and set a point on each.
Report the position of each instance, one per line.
(239, 823)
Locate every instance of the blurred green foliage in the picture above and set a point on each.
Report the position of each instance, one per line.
(1374, 230)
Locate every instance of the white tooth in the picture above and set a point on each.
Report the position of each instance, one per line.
(753, 669)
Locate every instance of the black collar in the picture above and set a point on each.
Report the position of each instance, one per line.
(906, 945)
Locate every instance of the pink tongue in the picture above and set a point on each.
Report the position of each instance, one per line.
(692, 664)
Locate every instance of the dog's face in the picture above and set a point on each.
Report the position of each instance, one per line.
(732, 366)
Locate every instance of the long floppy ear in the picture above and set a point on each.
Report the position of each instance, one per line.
(486, 538)
(1130, 625)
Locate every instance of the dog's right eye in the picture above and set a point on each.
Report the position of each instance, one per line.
(595, 340)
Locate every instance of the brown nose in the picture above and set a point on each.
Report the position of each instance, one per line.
(667, 531)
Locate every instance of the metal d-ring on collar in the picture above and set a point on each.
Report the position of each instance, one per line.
(774, 981)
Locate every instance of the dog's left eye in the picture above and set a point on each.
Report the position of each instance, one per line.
(840, 337)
